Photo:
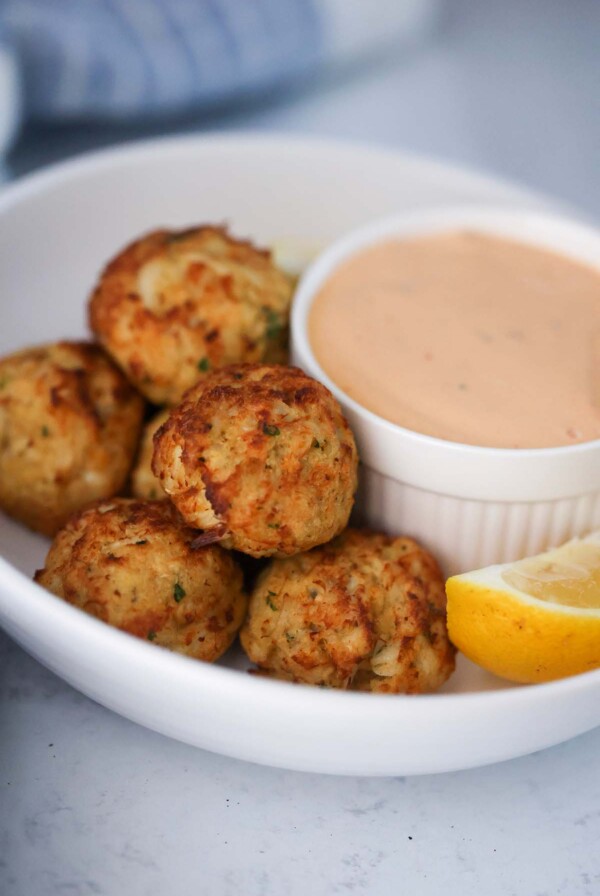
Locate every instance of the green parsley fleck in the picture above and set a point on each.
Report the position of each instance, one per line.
(274, 325)
(316, 443)
(179, 235)
(290, 638)
(270, 430)
(142, 541)
(45, 432)
(178, 592)
(312, 593)
(151, 635)
(204, 364)
(269, 600)
(274, 525)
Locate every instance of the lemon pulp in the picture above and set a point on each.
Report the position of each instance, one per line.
(569, 575)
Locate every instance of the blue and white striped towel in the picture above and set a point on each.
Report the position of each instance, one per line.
(116, 59)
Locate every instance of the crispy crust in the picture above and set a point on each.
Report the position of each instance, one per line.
(133, 565)
(69, 426)
(366, 612)
(176, 304)
(261, 459)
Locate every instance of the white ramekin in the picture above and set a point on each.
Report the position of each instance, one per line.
(471, 506)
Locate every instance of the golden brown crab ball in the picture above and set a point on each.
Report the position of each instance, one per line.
(366, 612)
(176, 304)
(261, 459)
(133, 564)
(69, 428)
(144, 483)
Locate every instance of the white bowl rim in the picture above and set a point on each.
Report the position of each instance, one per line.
(487, 218)
(105, 158)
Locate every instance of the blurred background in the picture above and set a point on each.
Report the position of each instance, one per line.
(512, 88)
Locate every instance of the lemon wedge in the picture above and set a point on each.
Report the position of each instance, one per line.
(534, 620)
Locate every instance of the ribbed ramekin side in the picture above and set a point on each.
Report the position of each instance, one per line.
(465, 534)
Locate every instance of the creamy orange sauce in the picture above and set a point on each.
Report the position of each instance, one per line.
(467, 337)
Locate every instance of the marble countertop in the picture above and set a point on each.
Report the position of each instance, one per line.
(93, 804)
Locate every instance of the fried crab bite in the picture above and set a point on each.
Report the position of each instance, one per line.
(366, 612)
(261, 459)
(176, 304)
(144, 483)
(69, 427)
(133, 564)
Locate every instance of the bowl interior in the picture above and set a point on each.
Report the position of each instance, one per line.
(58, 229)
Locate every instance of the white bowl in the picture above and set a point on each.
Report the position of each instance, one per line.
(471, 506)
(58, 228)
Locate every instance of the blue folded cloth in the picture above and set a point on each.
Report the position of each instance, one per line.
(113, 58)
(126, 59)
(116, 58)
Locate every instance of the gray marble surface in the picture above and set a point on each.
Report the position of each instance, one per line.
(93, 804)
